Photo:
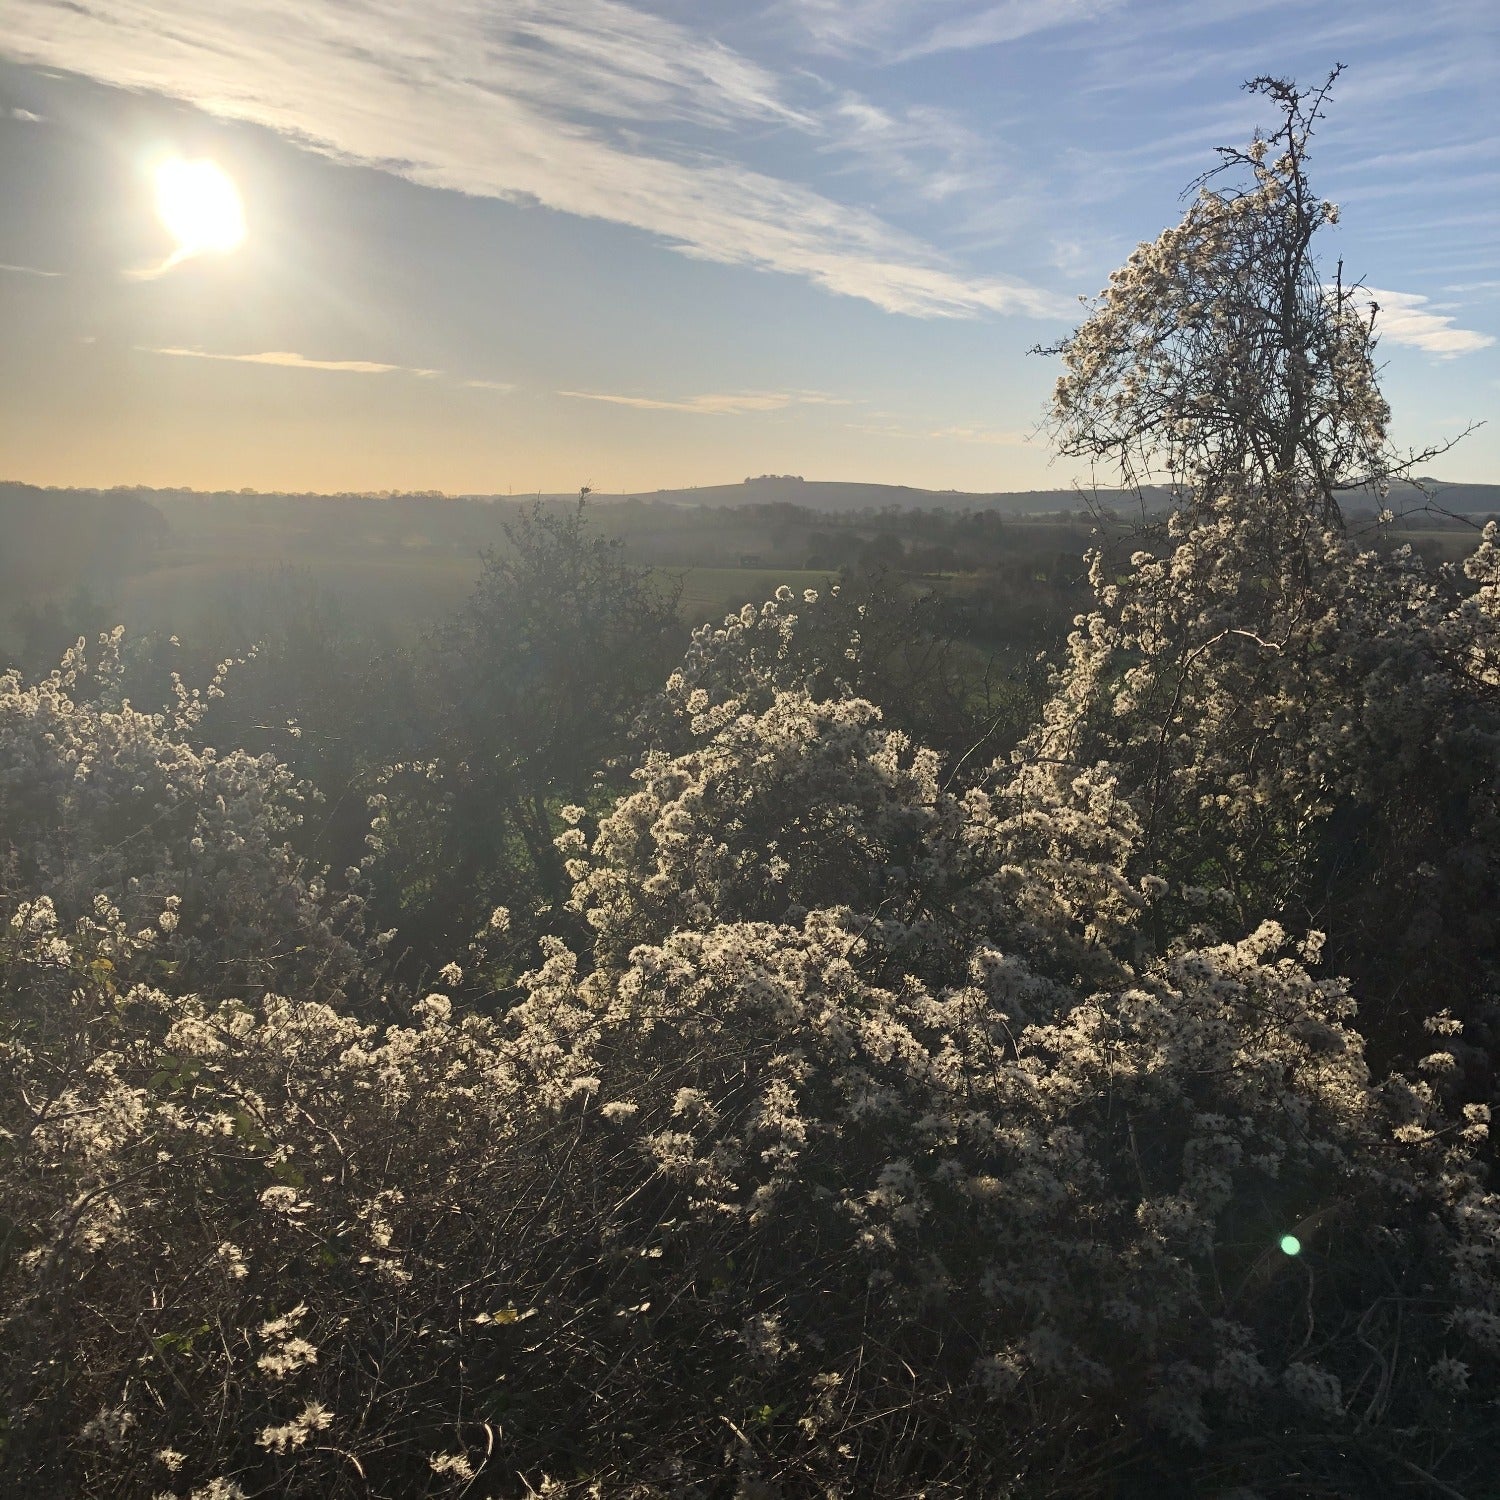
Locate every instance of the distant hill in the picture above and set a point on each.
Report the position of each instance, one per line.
(830, 497)
(834, 496)
(772, 489)
(1457, 499)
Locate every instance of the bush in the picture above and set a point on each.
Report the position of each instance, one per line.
(100, 801)
(788, 1199)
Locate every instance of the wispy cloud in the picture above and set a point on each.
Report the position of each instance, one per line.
(905, 29)
(1008, 21)
(855, 26)
(25, 116)
(163, 267)
(286, 360)
(1410, 319)
(504, 387)
(571, 105)
(715, 405)
(27, 270)
(919, 150)
(988, 436)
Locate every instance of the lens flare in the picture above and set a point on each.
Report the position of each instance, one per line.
(1291, 1245)
(200, 207)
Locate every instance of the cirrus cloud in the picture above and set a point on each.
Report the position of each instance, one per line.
(285, 359)
(715, 405)
(588, 107)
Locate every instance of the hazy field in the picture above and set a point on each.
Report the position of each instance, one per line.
(393, 597)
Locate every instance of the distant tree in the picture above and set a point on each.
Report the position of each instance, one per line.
(937, 558)
(884, 550)
(533, 689)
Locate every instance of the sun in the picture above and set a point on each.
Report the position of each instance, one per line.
(200, 207)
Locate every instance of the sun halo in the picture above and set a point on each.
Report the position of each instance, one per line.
(199, 206)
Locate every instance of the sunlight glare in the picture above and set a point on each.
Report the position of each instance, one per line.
(200, 207)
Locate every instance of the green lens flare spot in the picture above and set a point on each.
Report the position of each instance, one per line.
(1291, 1245)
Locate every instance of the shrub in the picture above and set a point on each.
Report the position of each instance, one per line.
(102, 801)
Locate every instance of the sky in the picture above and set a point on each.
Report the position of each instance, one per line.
(513, 245)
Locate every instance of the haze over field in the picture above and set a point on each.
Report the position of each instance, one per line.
(532, 246)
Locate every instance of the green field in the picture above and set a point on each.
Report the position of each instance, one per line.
(230, 598)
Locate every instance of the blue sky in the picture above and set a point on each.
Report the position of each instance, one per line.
(521, 244)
